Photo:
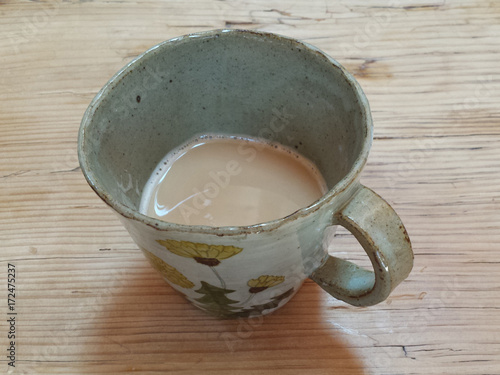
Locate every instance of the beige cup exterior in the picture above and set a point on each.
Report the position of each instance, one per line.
(260, 85)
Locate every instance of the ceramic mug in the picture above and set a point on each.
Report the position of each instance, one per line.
(260, 85)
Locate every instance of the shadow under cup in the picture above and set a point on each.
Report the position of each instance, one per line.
(238, 83)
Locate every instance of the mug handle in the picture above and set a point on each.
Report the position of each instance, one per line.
(380, 231)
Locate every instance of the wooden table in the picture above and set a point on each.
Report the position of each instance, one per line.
(432, 74)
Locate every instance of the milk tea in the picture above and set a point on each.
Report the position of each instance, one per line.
(230, 181)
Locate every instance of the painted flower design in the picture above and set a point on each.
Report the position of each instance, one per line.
(209, 255)
(167, 271)
(263, 282)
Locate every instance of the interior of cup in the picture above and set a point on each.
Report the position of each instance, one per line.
(223, 82)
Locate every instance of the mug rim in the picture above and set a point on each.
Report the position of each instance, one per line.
(130, 213)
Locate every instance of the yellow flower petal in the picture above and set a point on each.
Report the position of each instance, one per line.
(265, 281)
(212, 252)
(167, 271)
(199, 250)
(198, 247)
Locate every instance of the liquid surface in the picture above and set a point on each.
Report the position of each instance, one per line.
(228, 181)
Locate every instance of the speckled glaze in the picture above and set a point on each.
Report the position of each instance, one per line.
(262, 85)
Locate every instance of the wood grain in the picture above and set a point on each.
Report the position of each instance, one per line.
(88, 302)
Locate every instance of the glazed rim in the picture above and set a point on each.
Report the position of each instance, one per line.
(130, 213)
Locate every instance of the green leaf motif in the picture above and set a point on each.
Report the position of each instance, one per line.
(215, 301)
